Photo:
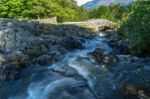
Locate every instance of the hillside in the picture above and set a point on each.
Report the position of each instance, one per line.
(96, 3)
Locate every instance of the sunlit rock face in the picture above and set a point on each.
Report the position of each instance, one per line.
(96, 3)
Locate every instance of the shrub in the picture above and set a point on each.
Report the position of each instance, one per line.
(136, 28)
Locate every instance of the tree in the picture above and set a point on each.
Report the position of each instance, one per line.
(136, 28)
(83, 14)
(65, 10)
(103, 12)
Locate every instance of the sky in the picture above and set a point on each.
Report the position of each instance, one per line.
(80, 2)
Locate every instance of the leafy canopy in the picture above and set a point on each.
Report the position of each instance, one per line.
(65, 10)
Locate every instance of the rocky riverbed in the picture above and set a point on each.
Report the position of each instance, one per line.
(51, 61)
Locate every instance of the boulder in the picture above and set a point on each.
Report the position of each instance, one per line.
(71, 43)
(103, 57)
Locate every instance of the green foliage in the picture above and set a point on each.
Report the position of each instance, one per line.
(133, 23)
(83, 14)
(136, 28)
(65, 10)
(113, 12)
(103, 12)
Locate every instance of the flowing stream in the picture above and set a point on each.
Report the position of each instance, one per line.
(76, 76)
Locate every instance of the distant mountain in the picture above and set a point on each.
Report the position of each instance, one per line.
(96, 3)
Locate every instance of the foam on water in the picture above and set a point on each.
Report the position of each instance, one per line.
(42, 91)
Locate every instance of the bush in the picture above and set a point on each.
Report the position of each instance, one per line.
(137, 28)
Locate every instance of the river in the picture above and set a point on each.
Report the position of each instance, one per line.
(79, 76)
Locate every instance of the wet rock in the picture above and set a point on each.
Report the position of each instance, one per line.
(132, 78)
(36, 49)
(42, 60)
(120, 45)
(128, 58)
(111, 59)
(18, 58)
(56, 55)
(49, 58)
(124, 80)
(103, 57)
(98, 54)
(2, 59)
(70, 43)
(71, 72)
(66, 71)
(24, 61)
(57, 49)
(144, 61)
(9, 71)
(131, 91)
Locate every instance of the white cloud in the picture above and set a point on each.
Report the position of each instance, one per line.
(80, 2)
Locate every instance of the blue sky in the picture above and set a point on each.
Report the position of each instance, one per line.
(80, 2)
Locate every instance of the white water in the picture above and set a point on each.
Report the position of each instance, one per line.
(42, 91)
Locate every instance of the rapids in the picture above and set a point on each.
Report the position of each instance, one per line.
(76, 76)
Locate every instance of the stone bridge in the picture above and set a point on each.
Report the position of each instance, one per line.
(95, 24)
